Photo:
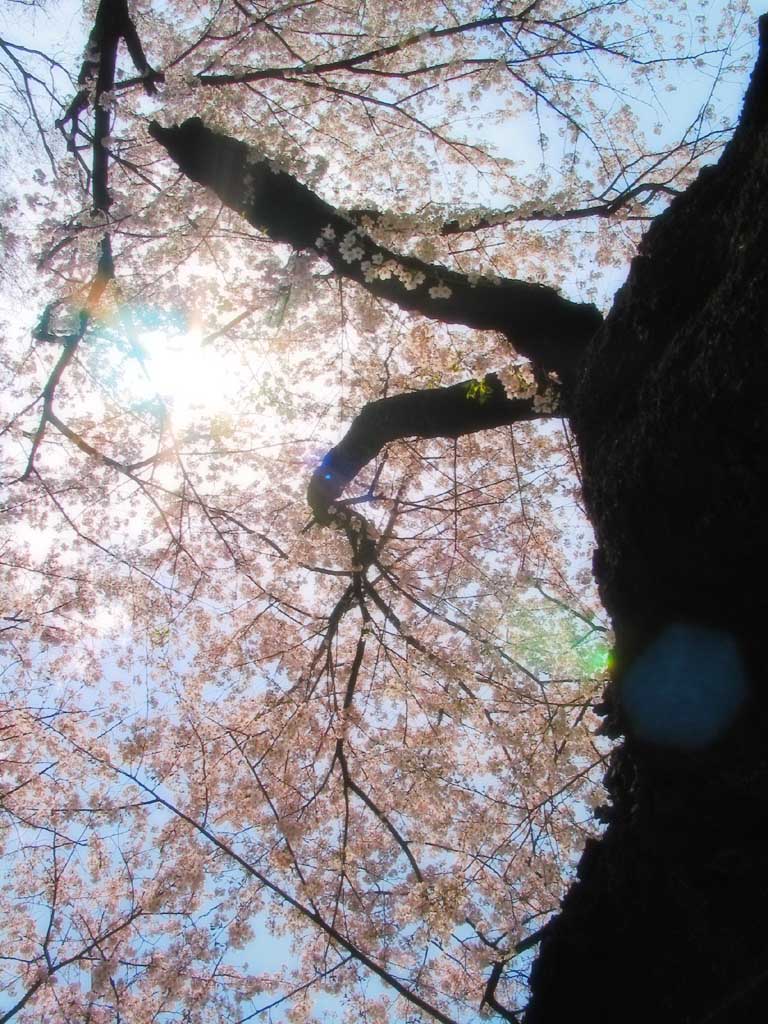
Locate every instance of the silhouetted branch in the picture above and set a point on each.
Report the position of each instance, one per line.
(541, 324)
(527, 213)
(111, 24)
(464, 408)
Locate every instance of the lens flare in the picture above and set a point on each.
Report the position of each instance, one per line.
(686, 688)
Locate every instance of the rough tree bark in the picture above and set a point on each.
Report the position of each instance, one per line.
(668, 406)
(672, 424)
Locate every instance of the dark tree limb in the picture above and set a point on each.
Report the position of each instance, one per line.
(111, 24)
(464, 408)
(489, 996)
(603, 207)
(542, 325)
(670, 418)
(96, 81)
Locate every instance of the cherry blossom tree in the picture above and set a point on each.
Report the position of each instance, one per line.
(303, 646)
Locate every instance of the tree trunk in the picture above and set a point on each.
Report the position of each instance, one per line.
(666, 923)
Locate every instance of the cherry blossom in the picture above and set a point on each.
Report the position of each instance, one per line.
(295, 660)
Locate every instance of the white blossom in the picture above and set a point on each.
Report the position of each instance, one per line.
(440, 291)
(545, 402)
(349, 250)
(414, 280)
(350, 255)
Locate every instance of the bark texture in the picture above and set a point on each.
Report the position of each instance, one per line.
(667, 921)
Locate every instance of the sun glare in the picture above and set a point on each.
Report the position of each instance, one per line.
(192, 377)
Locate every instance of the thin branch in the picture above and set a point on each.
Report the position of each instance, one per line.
(603, 208)
(312, 916)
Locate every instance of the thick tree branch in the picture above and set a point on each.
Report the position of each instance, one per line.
(755, 111)
(377, 812)
(541, 324)
(464, 408)
(111, 24)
